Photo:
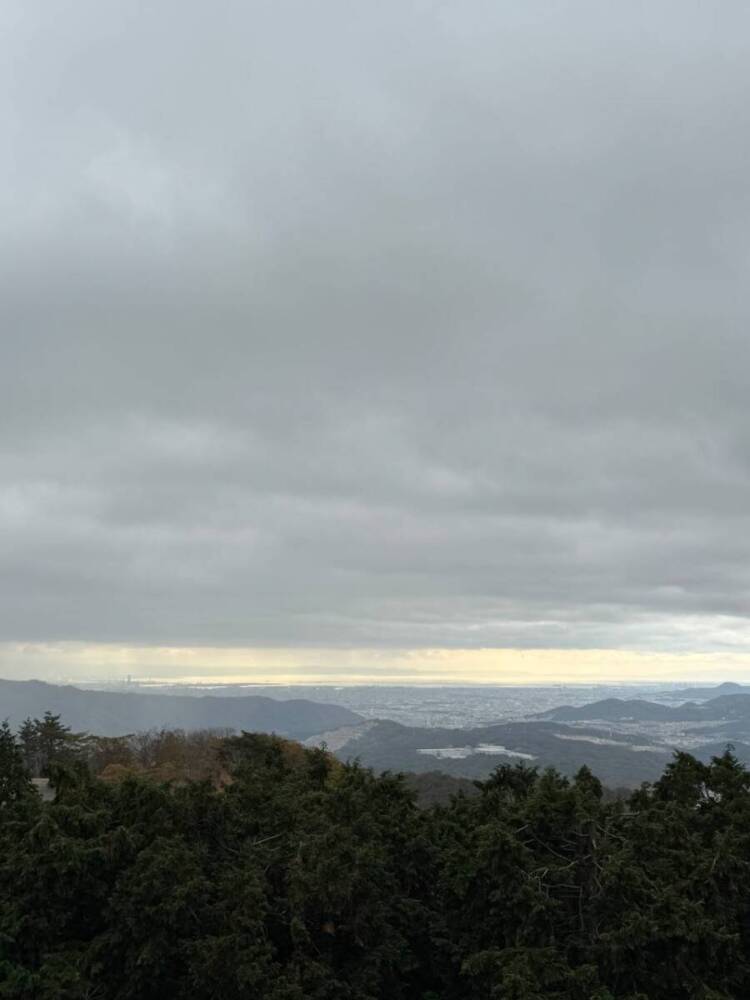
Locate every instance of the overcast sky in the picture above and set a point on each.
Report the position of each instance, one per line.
(374, 326)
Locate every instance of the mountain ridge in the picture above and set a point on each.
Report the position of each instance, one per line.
(734, 706)
(473, 753)
(115, 713)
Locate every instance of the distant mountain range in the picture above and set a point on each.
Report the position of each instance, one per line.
(622, 710)
(474, 753)
(726, 706)
(691, 694)
(618, 759)
(624, 741)
(114, 713)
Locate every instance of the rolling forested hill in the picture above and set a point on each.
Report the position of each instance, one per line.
(474, 753)
(114, 713)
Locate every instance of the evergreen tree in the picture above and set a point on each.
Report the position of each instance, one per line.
(47, 741)
(297, 877)
(14, 778)
(29, 743)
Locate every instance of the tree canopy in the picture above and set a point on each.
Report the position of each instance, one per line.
(282, 874)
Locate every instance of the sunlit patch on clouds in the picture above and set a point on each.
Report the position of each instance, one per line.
(79, 662)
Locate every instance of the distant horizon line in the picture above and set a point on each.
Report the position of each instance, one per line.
(80, 662)
(208, 682)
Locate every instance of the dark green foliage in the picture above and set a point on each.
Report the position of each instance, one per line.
(45, 742)
(433, 788)
(300, 878)
(14, 777)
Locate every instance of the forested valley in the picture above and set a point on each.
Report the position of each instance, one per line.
(215, 867)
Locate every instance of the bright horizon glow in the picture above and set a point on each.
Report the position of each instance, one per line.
(59, 662)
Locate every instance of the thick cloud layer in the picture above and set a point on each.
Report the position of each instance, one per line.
(375, 324)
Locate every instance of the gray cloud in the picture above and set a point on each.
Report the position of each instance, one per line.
(391, 324)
